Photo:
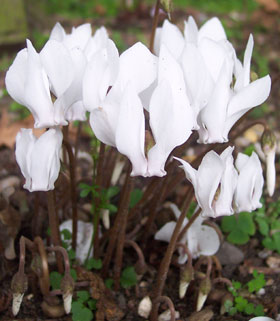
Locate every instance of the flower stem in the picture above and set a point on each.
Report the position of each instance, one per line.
(72, 165)
(122, 229)
(155, 24)
(165, 263)
(170, 304)
(53, 223)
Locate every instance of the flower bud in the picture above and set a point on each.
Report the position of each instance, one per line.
(19, 285)
(167, 6)
(204, 290)
(105, 214)
(145, 307)
(269, 144)
(186, 278)
(67, 287)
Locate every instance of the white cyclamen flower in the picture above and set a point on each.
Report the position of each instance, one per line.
(261, 319)
(171, 117)
(38, 158)
(214, 182)
(250, 183)
(200, 239)
(118, 119)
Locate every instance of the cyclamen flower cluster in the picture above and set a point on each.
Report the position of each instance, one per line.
(194, 82)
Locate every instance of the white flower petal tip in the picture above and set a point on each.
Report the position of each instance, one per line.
(166, 315)
(183, 287)
(105, 214)
(145, 307)
(67, 302)
(262, 319)
(38, 158)
(250, 183)
(270, 172)
(17, 299)
(200, 301)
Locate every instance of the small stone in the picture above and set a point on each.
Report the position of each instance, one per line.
(273, 262)
(145, 307)
(229, 254)
(166, 315)
(264, 253)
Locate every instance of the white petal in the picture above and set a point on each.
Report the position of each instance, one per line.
(76, 112)
(45, 162)
(250, 96)
(172, 38)
(270, 172)
(250, 183)
(191, 173)
(79, 37)
(16, 77)
(57, 33)
(97, 42)
(25, 141)
(209, 176)
(191, 30)
(138, 66)
(243, 78)
(157, 41)
(212, 29)
(130, 133)
(37, 94)
(171, 122)
(58, 65)
(165, 233)
(212, 117)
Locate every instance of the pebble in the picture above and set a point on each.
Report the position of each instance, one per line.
(229, 254)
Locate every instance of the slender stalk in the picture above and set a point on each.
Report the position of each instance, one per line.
(55, 235)
(79, 130)
(21, 256)
(188, 225)
(96, 216)
(72, 166)
(155, 24)
(64, 253)
(165, 263)
(141, 266)
(122, 229)
(115, 229)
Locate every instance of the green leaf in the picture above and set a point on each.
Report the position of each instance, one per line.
(229, 223)
(84, 192)
(83, 296)
(76, 307)
(93, 264)
(232, 311)
(245, 223)
(238, 237)
(228, 305)
(257, 283)
(240, 303)
(92, 304)
(249, 150)
(83, 315)
(112, 191)
(128, 277)
(259, 311)
(249, 309)
(268, 242)
(55, 279)
(135, 197)
(73, 273)
(67, 235)
(263, 226)
(109, 283)
(236, 285)
(111, 207)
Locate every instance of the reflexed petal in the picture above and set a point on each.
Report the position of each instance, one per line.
(212, 29)
(58, 65)
(172, 38)
(198, 81)
(16, 77)
(208, 240)
(250, 96)
(250, 183)
(138, 66)
(223, 205)
(130, 133)
(171, 123)
(165, 233)
(76, 112)
(79, 37)
(57, 33)
(190, 172)
(214, 56)
(25, 141)
(191, 31)
(97, 42)
(146, 95)
(209, 176)
(243, 78)
(45, 162)
(37, 94)
(212, 117)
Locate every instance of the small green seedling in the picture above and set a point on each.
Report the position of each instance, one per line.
(128, 277)
(83, 306)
